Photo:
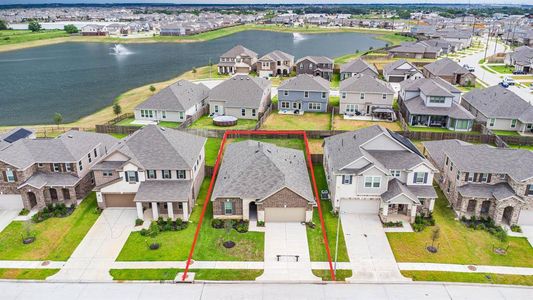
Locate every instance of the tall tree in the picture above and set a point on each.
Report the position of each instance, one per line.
(117, 109)
(58, 119)
(3, 25)
(70, 28)
(34, 26)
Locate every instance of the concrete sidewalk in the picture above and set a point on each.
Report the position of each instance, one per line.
(465, 268)
(96, 253)
(319, 265)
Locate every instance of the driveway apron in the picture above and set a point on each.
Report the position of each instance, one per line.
(6, 216)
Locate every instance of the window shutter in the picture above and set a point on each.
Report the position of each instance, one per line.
(426, 177)
(126, 176)
(475, 177)
(489, 177)
(15, 175)
(527, 189)
(51, 167)
(414, 177)
(4, 176)
(136, 177)
(466, 176)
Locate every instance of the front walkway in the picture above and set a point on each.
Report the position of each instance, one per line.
(287, 240)
(370, 254)
(96, 253)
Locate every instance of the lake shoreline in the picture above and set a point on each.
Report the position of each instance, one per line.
(201, 37)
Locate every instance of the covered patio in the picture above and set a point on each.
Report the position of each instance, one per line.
(402, 203)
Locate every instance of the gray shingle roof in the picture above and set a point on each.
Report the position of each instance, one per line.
(305, 82)
(497, 191)
(163, 191)
(392, 68)
(277, 55)
(416, 106)
(157, 148)
(241, 91)
(255, 170)
(358, 66)
(366, 84)
(415, 85)
(445, 67)
(316, 59)
(396, 188)
(68, 147)
(396, 160)
(499, 102)
(40, 179)
(483, 158)
(179, 96)
(239, 50)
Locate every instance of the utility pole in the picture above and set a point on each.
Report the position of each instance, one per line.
(486, 47)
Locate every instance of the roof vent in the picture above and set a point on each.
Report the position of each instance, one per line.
(70, 136)
(355, 136)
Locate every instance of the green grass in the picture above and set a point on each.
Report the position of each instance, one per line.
(8, 37)
(334, 101)
(502, 69)
(505, 133)
(200, 274)
(175, 245)
(315, 239)
(340, 275)
(439, 129)
(307, 121)
(335, 81)
(458, 244)
(275, 99)
(28, 274)
(118, 135)
(205, 122)
(169, 124)
(486, 68)
(128, 122)
(469, 277)
(56, 238)
(528, 147)
(211, 150)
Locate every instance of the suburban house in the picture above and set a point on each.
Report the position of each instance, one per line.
(358, 66)
(275, 63)
(462, 38)
(303, 93)
(238, 60)
(315, 65)
(401, 70)
(241, 96)
(14, 135)
(450, 71)
(374, 170)
(264, 182)
(94, 30)
(416, 50)
(499, 109)
(433, 102)
(175, 103)
(484, 181)
(37, 172)
(156, 169)
(521, 59)
(366, 95)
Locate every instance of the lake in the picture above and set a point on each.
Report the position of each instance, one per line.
(77, 79)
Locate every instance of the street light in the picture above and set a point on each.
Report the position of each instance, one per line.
(337, 243)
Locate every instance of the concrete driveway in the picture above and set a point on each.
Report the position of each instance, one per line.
(370, 254)
(6, 216)
(287, 240)
(527, 231)
(96, 253)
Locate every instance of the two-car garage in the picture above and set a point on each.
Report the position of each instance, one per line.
(11, 202)
(359, 206)
(285, 214)
(119, 200)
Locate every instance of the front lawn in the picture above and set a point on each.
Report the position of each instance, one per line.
(175, 245)
(502, 69)
(530, 147)
(307, 121)
(56, 238)
(469, 277)
(458, 244)
(340, 275)
(205, 122)
(341, 124)
(128, 122)
(200, 274)
(317, 250)
(28, 274)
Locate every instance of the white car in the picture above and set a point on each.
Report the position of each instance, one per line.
(509, 80)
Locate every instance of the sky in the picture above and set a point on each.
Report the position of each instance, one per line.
(267, 1)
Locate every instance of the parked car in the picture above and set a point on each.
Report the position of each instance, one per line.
(504, 84)
(469, 68)
(518, 72)
(509, 80)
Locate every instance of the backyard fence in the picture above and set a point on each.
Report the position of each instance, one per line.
(120, 118)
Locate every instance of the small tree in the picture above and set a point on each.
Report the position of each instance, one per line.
(117, 109)
(70, 28)
(34, 26)
(3, 25)
(435, 235)
(152, 88)
(58, 119)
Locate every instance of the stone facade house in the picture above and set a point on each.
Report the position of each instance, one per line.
(303, 93)
(175, 103)
(358, 66)
(237, 60)
(156, 170)
(315, 65)
(263, 182)
(499, 108)
(484, 181)
(450, 71)
(367, 96)
(401, 70)
(14, 135)
(241, 96)
(376, 171)
(275, 63)
(37, 172)
(433, 102)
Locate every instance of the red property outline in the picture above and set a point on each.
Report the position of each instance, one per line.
(212, 183)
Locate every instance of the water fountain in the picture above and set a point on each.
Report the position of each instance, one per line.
(119, 49)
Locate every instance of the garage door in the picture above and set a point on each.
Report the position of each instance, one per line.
(359, 206)
(11, 202)
(526, 216)
(281, 214)
(119, 200)
(395, 79)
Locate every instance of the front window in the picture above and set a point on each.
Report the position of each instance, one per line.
(420, 177)
(437, 99)
(306, 94)
(323, 95)
(182, 115)
(89, 157)
(491, 122)
(253, 112)
(95, 153)
(216, 109)
(243, 112)
(346, 179)
(164, 114)
(166, 174)
(228, 208)
(351, 108)
(343, 95)
(395, 173)
(286, 93)
(362, 96)
(285, 104)
(461, 124)
(131, 176)
(470, 177)
(181, 174)
(513, 123)
(151, 174)
(529, 190)
(372, 181)
(10, 175)
(384, 96)
(484, 177)
(57, 167)
(68, 168)
(80, 165)
(107, 173)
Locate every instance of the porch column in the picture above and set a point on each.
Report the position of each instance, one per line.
(385, 209)
(140, 214)
(431, 204)
(429, 121)
(155, 211)
(413, 213)
(170, 208)
(185, 211)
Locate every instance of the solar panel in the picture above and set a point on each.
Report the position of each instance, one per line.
(17, 135)
(405, 141)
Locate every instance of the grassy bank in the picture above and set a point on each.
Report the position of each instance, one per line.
(170, 274)
(27, 274)
(469, 277)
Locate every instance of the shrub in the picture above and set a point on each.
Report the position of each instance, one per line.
(59, 210)
(144, 232)
(138, 222)
(241, 226)
(516, 228)
(393, 224)
(154, 229)
(501, 235)
(260, 224)
(217, 223)
(418, 227)
(24, 212)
